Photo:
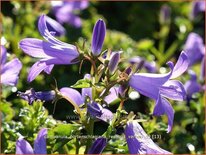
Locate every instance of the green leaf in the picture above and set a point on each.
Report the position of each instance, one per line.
(82, 83)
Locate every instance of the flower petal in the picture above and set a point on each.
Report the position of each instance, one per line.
(35, 70)
(87, 92)
(194, 48)
(106, 115)
(164, 107)
(73, 95)
(202, 73)
(3, 55)
(54, 26)
(40, 142)
(174, 90)
(10, 72)
(98, 35)
(48, 69)
(181, 65)
(113, 62)
(113, 95)
(98, 146)
(23, 147)
(148, 84)
(139, 142)
(94, 109)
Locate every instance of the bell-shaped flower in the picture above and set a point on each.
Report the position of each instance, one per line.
(192, 86)
(54, 27)
(98, 146)
(194, 48)
(197, 7)
(64, 11)
(23, 147)
(139, 142)
(51, 52)
(31, 96)
(93, 108)
(9, 71)
(159, 86)
(98, 36)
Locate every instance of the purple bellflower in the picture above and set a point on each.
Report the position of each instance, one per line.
(98, 36)
(94, 109)
(139, 142)
(30, 95)
(23, 147)
(98, 146)
(9, 71)
(48, 52)
(149, 66)
(159, 86)
(194, 48)
(54, 27)
(197, 7)
(192, 86)
(64, 11)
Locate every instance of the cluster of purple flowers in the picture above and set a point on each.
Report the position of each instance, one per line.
(51, 51)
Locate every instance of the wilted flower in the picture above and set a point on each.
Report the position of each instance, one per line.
(98, 146)
(54, 27)
(49, 53)
(192, 86)
(64, 11)
(139, 142)
(197, 7)
(159, 86)
(30, 95)
(98, 36)
(23, 147)
(9, 72)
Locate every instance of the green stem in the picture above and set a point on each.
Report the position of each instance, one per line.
(90, 129)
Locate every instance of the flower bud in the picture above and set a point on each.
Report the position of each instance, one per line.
(98, 37)
(165, 14)
(98, 146)
(113, 63)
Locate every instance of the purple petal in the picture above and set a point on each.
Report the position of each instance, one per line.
(113, 95)
(98, 146)
(192, 86)
(139, 142)
(94, 109)
(197, 7)
(87, 92)
(73, 95)
(35, 70)
(98, 36)
(78, 5)
(54, 26)
(194, 48)
(23, 147)
(113, 62)
(41, 49)
(163, 107)
(10, 72)
(106, 115)
(3, 55)
(165, 13)
(40, 142)
(48, 69)
(148, 84)
(181, 65)
(174, 90)
(69, 18)
(48, 36)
